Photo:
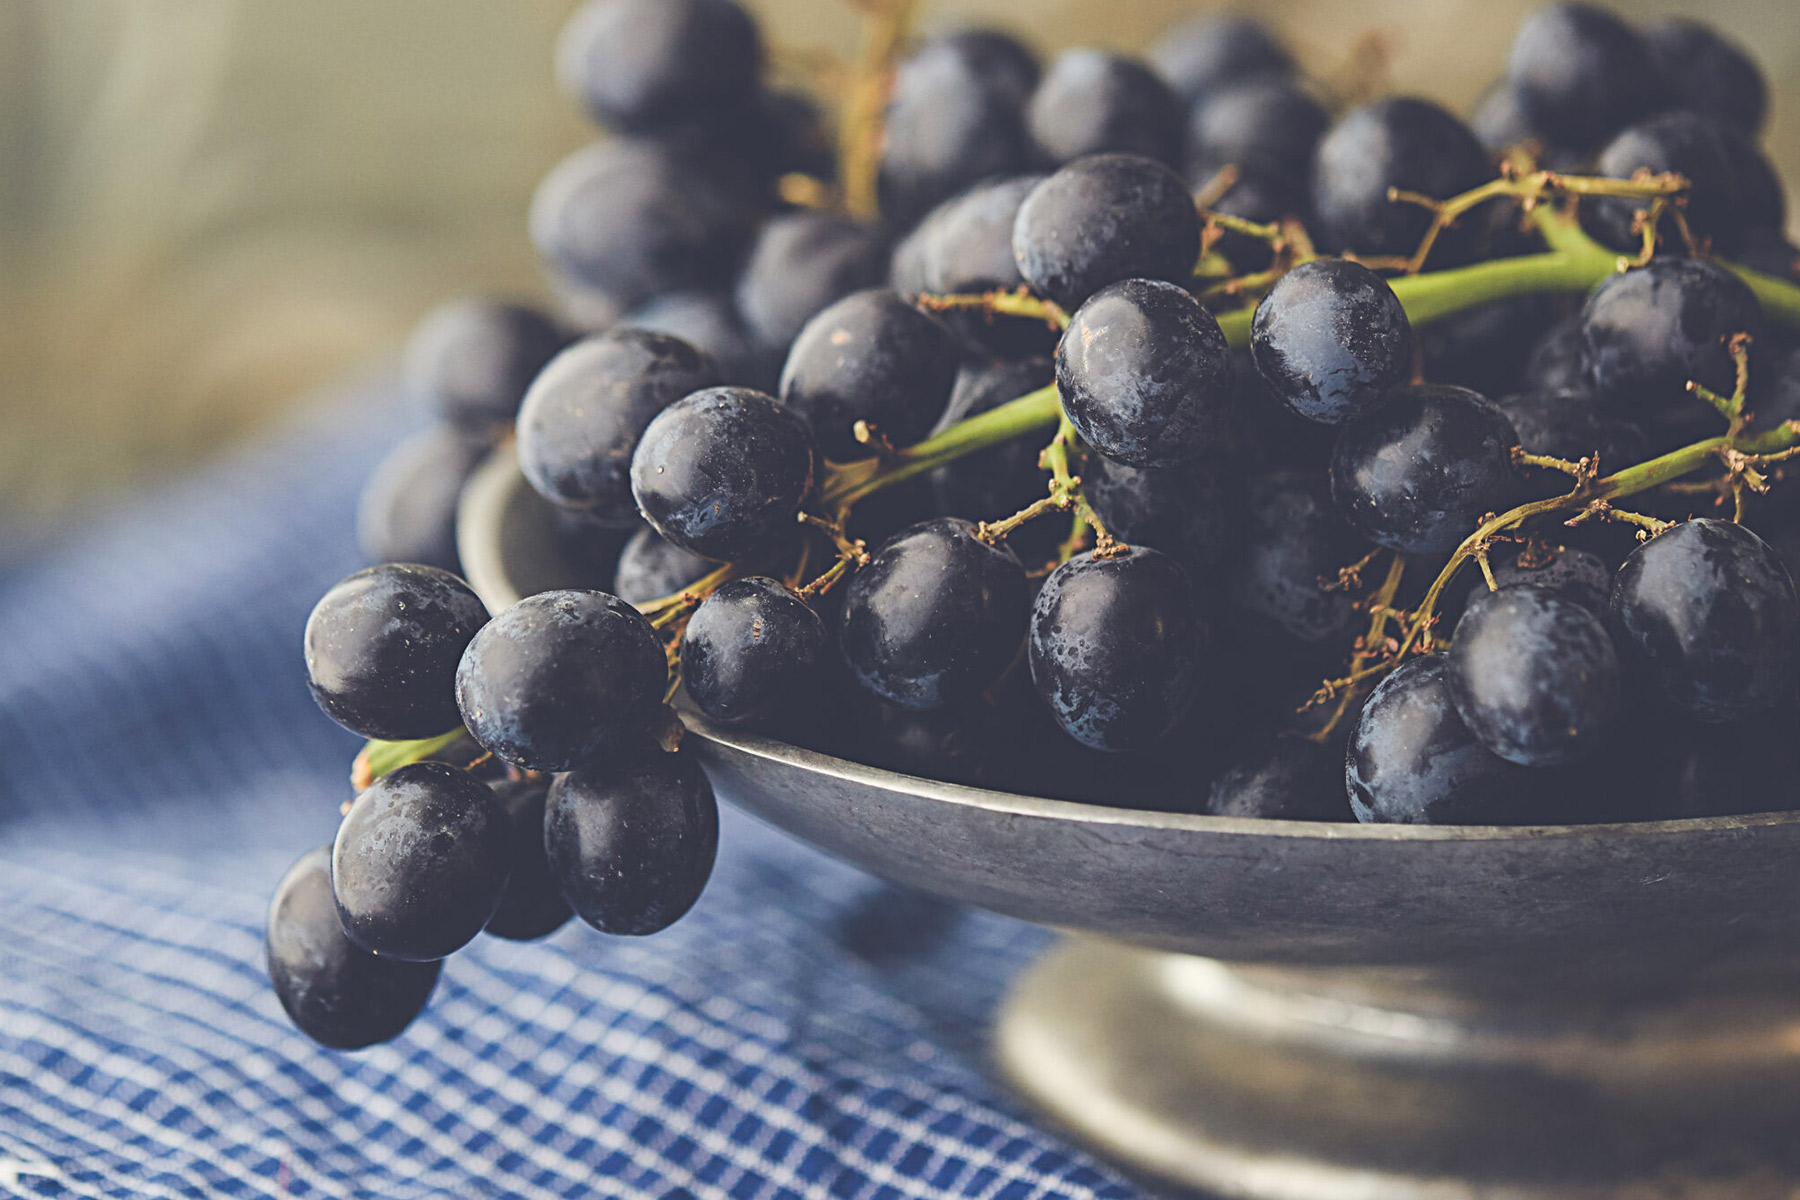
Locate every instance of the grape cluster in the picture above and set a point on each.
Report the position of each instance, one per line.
(1152, 432)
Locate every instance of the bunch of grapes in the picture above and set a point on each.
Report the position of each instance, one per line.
(1165, 434)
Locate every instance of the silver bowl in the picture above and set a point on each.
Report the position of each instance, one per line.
(1596, 1011)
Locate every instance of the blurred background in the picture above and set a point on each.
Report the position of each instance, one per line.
(210, 209)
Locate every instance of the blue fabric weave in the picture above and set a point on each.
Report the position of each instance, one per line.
(807, 1031)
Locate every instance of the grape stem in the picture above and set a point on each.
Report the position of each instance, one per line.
(1374, 645)
(884, 30)
(1017, 302)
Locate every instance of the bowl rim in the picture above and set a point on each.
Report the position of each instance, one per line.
(498, 479)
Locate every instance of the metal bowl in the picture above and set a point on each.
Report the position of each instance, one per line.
(1558, 955)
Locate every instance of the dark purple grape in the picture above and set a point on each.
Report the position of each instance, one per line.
(382, 647)
(1104, 219)
(650, 64)
(1769, 251)
(1706, 73)
(751, 647)
(935, 616)
(1418, 473)
(634, 218)
(473, 359)
(1095, 102)
(1191, 512)
(1581, 73)
(408, 508)
(1499, 122)
(650, 568)
(560, 677)
(1145, 374)
(870, 357)
(1294, 542)
(583, 417)
(1684, 143)
(708, 321)
(1558, 361)
(1004, 62)
(1486, 347)
(1208, 52)
(1330, 339)
(1005, 477)
(799, 264)
(965, 246)
(1579, 576)
(1533, 676)
(1399, 142)
(1285, 779)
(1761, 199)
(1412, 761)
(1116, 647)
(334, 991)
(1708, 611)
(1570, 425)
(1650, 330)
(420, 862)
(1266, 128)
(532, 905)
(632, 843)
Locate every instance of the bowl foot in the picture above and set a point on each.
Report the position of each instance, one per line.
(1290, 1084)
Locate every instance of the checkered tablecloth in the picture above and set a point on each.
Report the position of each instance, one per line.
(807, 1031)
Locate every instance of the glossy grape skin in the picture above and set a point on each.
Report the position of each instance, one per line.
(651, 568)
(1707, 610)
(870, 357)
(646, 64)
(1412, 761)
(1330, 339)
(1400, 142)
(722, 473)
(1266, 128)
(1581, 73)
(382, 647)
(1579, 576)
(935, 616)
(560, 677)
(1292, 538)
(707, 320)
(1705, 73)
(1285, 779)
(633, 218)
(1534, 676)
(1145, 374)
(1207, 52)
(473, 359)
(800, 263)
(751, 646)
(583, 417)
(1419, 472)
(631, 842)
(1570, 425)
(532, 906)
(336, 993)
(964, 246)
(1679, 142)
(420, 862)
(407, 512)
(1095, 102)
(1191, 512)
(1650, 330)
(1103, 219)
(1116, 647)
(1002, 478)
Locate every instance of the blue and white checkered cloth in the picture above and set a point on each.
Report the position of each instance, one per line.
(807, 1031)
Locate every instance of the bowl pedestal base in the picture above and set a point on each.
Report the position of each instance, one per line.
(1267, 1083)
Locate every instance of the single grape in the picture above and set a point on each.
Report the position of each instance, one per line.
(1330, 339)
(1685, 144)
(560, 677)
(420, 862)
(334, 991)
(1499, 122)
(1704, 72)
(408, 508)
(1002, 478)
(1400, 142)
(708, 321)
(1116, 647)
(382, 647)
(1533, 676)
(799, 264)
(1558, 360)
(935, 616)
(532, 906)
(1286, 779)
(1578, 576)
(1570, 425)
(1145, 374)
(648, 64)
(473, 359)
(1208, 52)
(583, 417)
(650, 568)
(1761, 198)
(964, 246)
(1650, 330)
(1095, 102)
(1294, 542)
(631, 844)
(723, 473)
(1266, 128)
(750, 648)
(1192, 512)
(1104, 219)
(870, 357)
(1418, 473)
(1581, 74)
(1412, 761)
(1708, 611)
(1007, 64)
(1484, 347)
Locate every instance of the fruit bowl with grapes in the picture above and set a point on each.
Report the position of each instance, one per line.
(1330, 558)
